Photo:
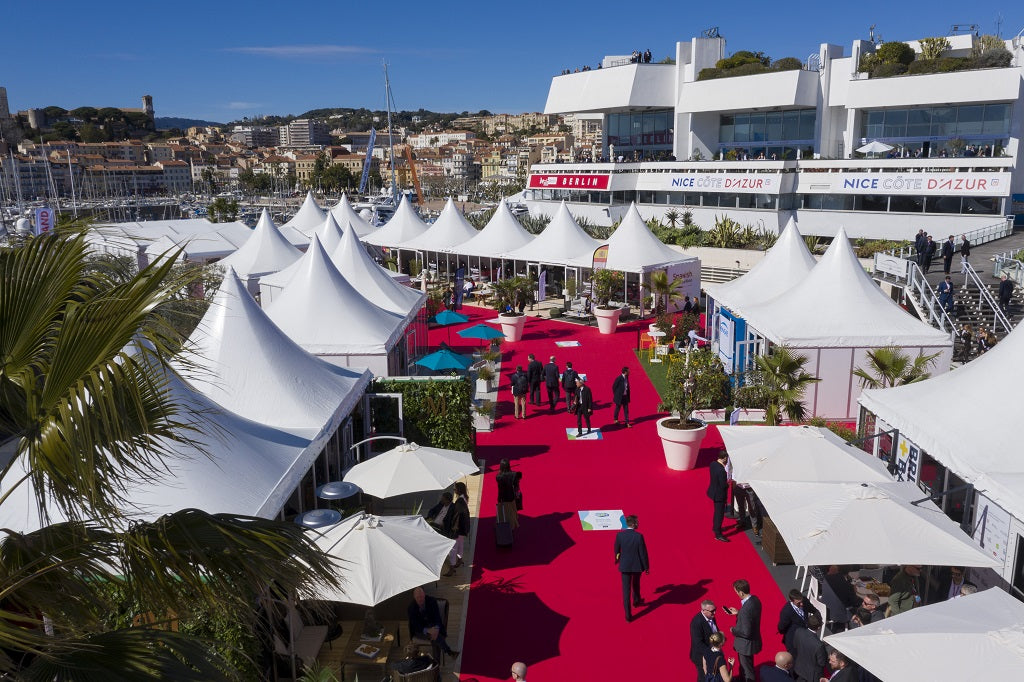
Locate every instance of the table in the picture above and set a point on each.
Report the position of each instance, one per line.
(862, 591)
(657, 335)
(350, 657)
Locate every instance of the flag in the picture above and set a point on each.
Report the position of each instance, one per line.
(368, 162)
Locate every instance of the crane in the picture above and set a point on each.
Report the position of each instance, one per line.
(412, 172)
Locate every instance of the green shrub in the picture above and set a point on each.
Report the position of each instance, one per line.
(710, 388)
(932, 48)
(949, 64)
(998, 58)
(742, 58)
(554, 312)
(894, 52)
(985, 43)
(787, 64)
(837, 428)
(709, 74)
(885, 70)
(748, 69)
(435, 412)
(751, 397)
(924, 66)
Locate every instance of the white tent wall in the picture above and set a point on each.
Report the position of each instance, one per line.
(835, 396)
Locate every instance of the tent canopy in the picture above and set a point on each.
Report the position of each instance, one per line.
(329, 233)
(242, 361)
(404, 226)
(309, 217)
(502, 234)
(970, 435)
(322, 312)
(974, 637)
(785, 265)
(448, 231)
(865, 523)
(264, 252)
(838, 305)
(562, 242)
(344, 213)
(371, 280)
(634, 248)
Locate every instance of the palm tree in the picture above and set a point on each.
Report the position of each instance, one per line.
(664, 290)
(82, 419)
(890, 366)
(673, 216)
(784, 381)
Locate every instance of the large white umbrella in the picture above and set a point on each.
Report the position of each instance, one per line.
(976, 637)
(410, 468)
(797, 453)
(874, 147)
(381, 556)
(865, 523)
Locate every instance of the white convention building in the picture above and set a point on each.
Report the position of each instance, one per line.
(769, 147)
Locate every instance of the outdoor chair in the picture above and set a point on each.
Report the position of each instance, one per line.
(431, 674)
(435, 649)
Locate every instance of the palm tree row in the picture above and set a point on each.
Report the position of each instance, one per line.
(84, 411)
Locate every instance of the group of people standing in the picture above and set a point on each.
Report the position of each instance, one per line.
(925, 248)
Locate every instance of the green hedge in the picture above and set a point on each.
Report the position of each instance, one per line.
(436, 411)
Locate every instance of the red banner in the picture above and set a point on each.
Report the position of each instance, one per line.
(569, 181)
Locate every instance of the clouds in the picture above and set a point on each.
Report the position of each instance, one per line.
(308, 52)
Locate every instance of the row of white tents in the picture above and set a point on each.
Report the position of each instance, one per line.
(831, 310)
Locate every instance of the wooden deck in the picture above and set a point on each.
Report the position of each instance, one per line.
(393, 611)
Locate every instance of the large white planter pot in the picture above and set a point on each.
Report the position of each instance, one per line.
(681, 446)
(512, 326)
(483, 386)
(607, 320)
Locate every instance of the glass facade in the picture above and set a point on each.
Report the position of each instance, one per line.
(899, 204)
(641, 135)
(769, 135)
(969, 130)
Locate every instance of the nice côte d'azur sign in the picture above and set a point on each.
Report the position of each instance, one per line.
(943, 184)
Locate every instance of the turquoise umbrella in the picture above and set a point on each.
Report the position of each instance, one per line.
(480, 331)
(444, 359)
(447, 317)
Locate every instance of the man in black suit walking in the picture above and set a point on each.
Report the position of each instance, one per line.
(621, 395)
(551, 374)
(631, 556)
(535, 375)
(747, 631)
(718, 491)
(702, 627)
(948, 249)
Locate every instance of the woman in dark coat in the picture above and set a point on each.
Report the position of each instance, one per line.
(457, 524)
(508, 492)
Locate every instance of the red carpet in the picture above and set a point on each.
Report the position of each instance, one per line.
(553, 600)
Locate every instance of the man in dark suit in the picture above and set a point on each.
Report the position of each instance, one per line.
(747, 631)
(780, 671)
(842, 669)
(1005, 293)
(718, 491)
(551, 375)
(535, 375)
(793, 617)
(569, 384)
(702, 627)
(584, 405)
(621, 395)
(948, 249)
(425, 621)
(631, 556)
(809, 653)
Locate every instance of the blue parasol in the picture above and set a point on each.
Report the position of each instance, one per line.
(480, 331)
(444, 359)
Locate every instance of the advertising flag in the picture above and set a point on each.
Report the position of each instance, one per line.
(368, 162)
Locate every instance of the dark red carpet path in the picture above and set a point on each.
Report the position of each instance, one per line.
(553, 600)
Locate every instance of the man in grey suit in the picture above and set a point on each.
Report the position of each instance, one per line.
(809, 653)
(631, 556)
(747, 631)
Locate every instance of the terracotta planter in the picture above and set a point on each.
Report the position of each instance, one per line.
(607, 319)
(512, 326)
(681, 446)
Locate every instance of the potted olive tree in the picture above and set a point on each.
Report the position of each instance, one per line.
(607, 283)
(511, 296)
(698, 382)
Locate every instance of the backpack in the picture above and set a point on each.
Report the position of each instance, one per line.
(569, 379)
(521, 385)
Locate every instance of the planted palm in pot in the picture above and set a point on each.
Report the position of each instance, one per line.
(511, 296)
(699, 382)
(607, 283)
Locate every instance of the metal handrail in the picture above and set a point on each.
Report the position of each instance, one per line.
(985, 298)
(983, 235)
(928, 301)
(1009, 266)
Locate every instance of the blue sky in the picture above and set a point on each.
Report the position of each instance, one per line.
(224, 60)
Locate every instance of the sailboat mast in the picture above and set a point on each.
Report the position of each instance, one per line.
(391, 142)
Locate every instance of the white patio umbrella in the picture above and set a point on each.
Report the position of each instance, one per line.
(797, 453)
(976, 637)
(865, 523)
(874, 147)
(381, 556)
(410, 468)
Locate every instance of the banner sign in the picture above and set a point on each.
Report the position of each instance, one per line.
(602, 519)
(943, 184)
(542, 285)
(569, 181)
(908, 461)
(742, 183)
(368, 162)
(726, 343)
(991, 528)
(46, 220)
(600, 260)
(892, 265)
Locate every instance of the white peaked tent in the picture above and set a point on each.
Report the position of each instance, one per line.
(266, 251)
(785, 265)
(501, 234)
(329, 233)
(964, 419)
(239, 466)
(371, 280)
(309, 217)
(404, 226)
(242, 361)
(322, 312)
(563, 242)
(634, 248)
(448, 231)
(974, 637)
(834, 317)
(344, 213)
